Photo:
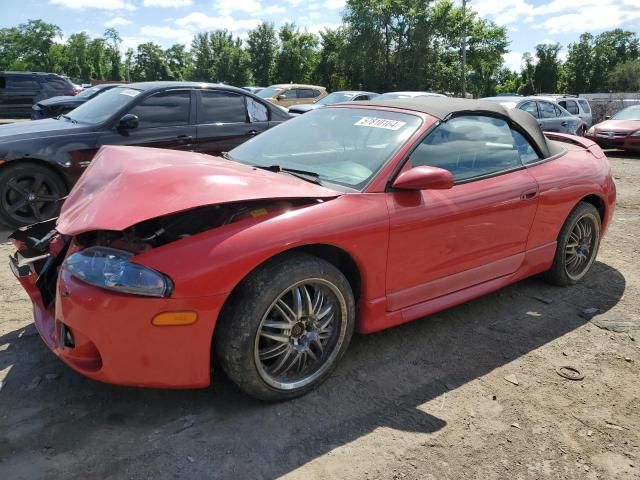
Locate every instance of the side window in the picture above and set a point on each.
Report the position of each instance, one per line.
(316, 93)
(360, 98)
(21, 82)
(571, 106)
(526, 151)
(257, 111)
(164, 109)
(291, 93)
(3, 82)
(469, 147)
(559, 112)
(530, 107)
(585, 106)
(222, 107)
(547, 110)
(307, 93)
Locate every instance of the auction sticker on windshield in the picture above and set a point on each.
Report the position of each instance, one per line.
(380, 123)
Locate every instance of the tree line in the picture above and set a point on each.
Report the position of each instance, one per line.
(382, 45)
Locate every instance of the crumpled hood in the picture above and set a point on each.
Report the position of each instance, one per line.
(124, 186)
(619, 125)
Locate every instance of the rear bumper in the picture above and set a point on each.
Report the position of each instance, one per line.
(109, 337)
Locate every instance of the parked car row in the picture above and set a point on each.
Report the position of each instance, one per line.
(357, 216)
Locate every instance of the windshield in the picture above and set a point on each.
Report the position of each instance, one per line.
(336, 97)
(269, 92)
(627, 114)
(344, 146)
(101, 107)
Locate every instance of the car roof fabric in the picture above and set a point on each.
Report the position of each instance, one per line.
(444, 107)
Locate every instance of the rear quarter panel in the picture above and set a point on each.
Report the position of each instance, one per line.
(563, 183)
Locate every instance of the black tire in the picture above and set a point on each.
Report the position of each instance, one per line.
(561, 272)
(29, 194)
(240, 332)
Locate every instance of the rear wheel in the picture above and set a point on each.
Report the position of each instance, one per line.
(29, 194)
(578, 245)
(286, 328)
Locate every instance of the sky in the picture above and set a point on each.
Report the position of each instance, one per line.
(529, 22)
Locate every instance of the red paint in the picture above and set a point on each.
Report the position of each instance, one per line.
(417, 251)
(621, 134)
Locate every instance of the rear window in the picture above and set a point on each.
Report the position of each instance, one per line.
(571, 106)
(585, 106)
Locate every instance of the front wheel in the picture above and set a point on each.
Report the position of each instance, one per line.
(578, 245)
(29, 194)
(286, 327)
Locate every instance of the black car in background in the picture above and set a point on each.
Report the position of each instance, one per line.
(40, 161)
(20, 90)
(54, 106)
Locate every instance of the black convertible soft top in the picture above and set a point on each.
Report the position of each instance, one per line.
(444, 107)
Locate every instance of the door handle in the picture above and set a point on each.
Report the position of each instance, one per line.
(565, 123)
(184, 138)
(528, 195)
(253, 133)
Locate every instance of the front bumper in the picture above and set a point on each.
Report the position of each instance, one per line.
(109, 337)
(623, 143)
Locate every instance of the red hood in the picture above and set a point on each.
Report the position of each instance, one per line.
(127, 185)
(619, 125)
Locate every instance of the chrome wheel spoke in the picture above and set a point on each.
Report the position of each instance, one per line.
(299, 334)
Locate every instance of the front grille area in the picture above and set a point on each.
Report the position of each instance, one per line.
(611, 134)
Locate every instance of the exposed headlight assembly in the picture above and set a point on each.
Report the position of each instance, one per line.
(111, 269)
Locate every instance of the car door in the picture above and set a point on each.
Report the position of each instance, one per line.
(227, 119)
(443, 241)
(551, 117)
(165, 120)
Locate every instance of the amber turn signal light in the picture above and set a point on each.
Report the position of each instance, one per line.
(174, 318)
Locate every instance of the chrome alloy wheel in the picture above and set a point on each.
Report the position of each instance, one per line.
(580, 248)
(300, 334)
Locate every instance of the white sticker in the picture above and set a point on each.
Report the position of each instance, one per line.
(380, 123)
(130, 92)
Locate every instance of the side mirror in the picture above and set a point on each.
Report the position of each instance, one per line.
(607, 117)
(424, 178)
(128, 122)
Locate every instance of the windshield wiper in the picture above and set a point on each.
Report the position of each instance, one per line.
(309, 176)
(67, 117)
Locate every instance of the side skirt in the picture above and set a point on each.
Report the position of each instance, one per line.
(373, 315)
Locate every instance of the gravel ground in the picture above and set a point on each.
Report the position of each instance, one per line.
(471, 392)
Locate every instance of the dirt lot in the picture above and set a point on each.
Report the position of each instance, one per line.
(427, 400)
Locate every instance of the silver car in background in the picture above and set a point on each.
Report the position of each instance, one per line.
(551, 116)
(335, 97)
(575, 106)
(396, 95)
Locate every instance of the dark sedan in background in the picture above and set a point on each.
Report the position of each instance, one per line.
(54, 106)
(40, 161)
(550, 116)
(332, 98)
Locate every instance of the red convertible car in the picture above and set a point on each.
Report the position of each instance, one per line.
(358, 216)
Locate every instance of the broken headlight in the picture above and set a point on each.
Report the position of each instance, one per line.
(111, 269)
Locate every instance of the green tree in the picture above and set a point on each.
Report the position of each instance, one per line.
(150, 64)
(546, 72)
(332, 68)
(179, 60)
(625, 77)
(262, 47)
(29, 46)
(527, 86)
(297, 56)
(578, 69)
(113, 41)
